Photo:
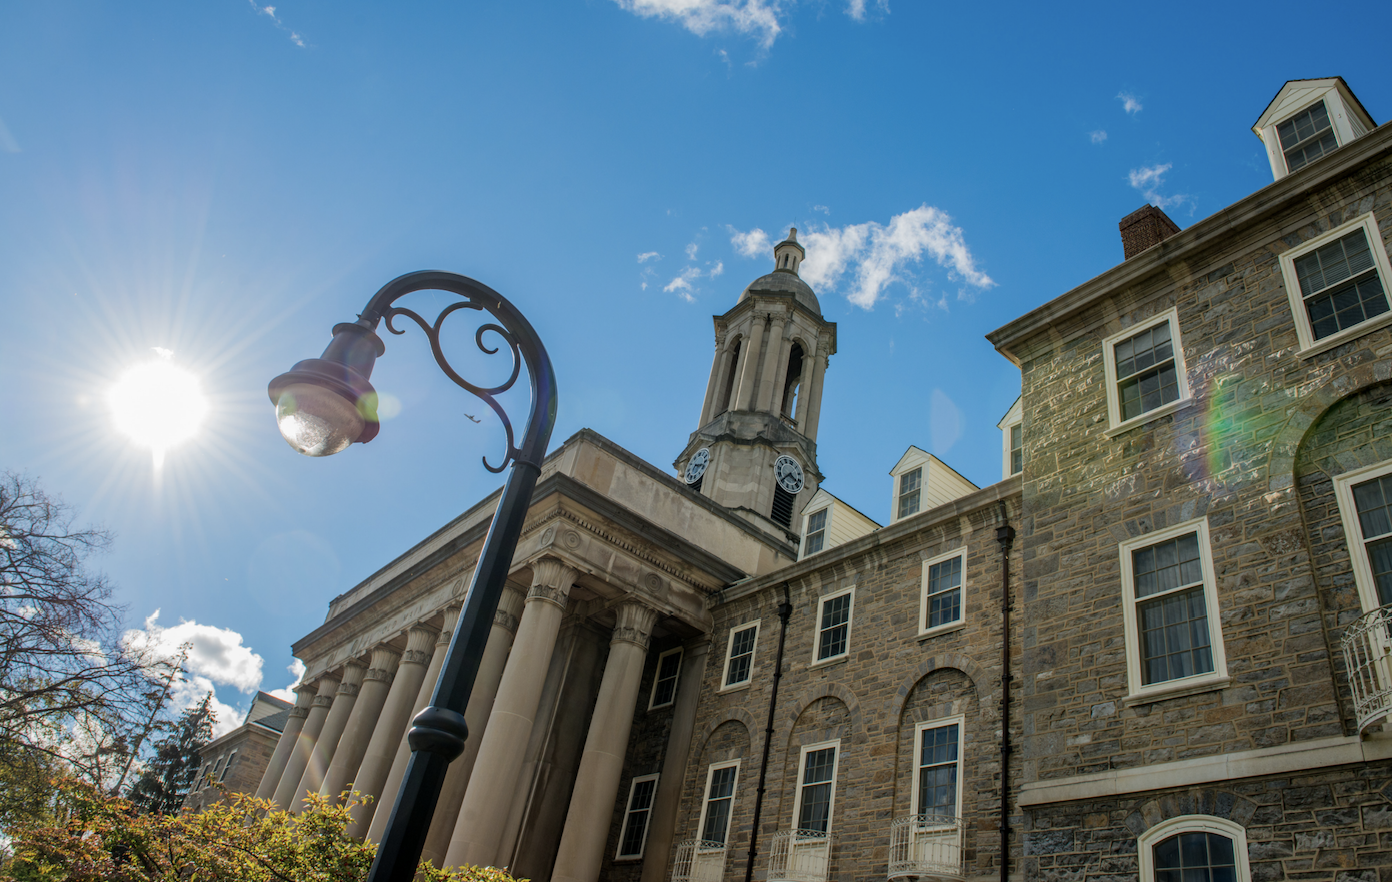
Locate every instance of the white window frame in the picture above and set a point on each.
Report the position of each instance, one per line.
(899, 491)
(1115, 421)
(628, 811)
(729, 656)
(835, 774)
(1303, 331)
(960, 721)
(1146, 842)
(227, 765)
(1195, 682)
(1007, 441)
(657, 673)
(806, 523)
(705, 798)
(817, 628)
(1353, 531)
(961, 621)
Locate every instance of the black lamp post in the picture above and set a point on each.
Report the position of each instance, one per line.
(325, 404)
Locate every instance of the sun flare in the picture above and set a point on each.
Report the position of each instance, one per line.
(158, 405)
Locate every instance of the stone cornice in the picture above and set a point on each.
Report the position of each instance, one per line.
(1220, 227)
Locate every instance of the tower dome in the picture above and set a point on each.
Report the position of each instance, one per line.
(787, 258)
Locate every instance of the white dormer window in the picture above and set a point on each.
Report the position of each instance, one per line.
(1307, 120)
(910, 492)
(923, 482)
(1012, 440)
(815, 538)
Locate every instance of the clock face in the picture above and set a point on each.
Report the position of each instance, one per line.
(697, 466)
(788, 473)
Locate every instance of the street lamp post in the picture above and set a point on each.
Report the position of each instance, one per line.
(325, 404)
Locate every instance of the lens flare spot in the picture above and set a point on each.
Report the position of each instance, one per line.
(158, 405)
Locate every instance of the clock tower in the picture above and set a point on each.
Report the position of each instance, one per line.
(755, 450)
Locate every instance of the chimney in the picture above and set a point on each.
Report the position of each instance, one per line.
(1143, 228)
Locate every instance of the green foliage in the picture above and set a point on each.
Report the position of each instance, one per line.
(170, 772)
(105, 839)
(26, 785)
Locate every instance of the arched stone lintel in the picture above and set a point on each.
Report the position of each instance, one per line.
(737, 715)
(943, 660)
(1210, 801)
(1313, 404)
(828, 690)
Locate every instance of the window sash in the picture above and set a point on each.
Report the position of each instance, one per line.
(939, 754)
(1373, 502)
(635, 826)
(665, 680)
(816, 532)
(815, 788)
(1146, 372)
(741, 662)
(909, 492)
(835, 626)
(1306, 136)
(1339, 284)
(1195, 856)
(1171, 610)
(1017, 449)
(720, 799)
(944, 598)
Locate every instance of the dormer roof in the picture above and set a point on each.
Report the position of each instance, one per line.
(1293, 121)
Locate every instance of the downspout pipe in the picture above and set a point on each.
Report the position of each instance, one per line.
(1005, 535)
(785, 609)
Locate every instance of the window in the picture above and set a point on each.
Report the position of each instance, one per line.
(226, 766)
(833, 626)
(1017, 449)
(719, 803)
(815, 538)
(1194, 848)
(1365, 504)
(635, 825)
(664, 690)
(940, 603)
(1306, 136)
(937, 786)
(1336, 284)
(1173, 636)
(739, 658)
(1145, 370)
(909, 492)
(816, 787)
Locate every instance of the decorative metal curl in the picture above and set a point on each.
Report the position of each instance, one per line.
(487, 394)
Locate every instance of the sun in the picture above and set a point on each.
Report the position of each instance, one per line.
(158, 405)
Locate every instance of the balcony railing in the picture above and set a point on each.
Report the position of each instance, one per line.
(926, 846)
(1367, 645)
(800, 856)
(699, 860)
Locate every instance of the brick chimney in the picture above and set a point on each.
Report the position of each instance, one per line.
(1143, 228)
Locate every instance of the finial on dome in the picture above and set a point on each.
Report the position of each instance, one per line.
(788, 254)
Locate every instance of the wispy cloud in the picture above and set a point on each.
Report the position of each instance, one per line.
(856, 9)
(270, 12)
(1149, 180)
(1098, 136)
(750, 18)
(1129, 103)
(691, 250)
(681, 285)
(822, 208)
(873, 256)
(649, 255)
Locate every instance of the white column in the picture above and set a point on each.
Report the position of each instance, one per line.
(288, 788)
(749, 357)
(767, 392)
(327, 741)
(483, 814)
(382, 813)
(597, 783)
(391, 723)
(304, 697)
(814, 397)
(713, 387)
(490, 673)
(377, 682)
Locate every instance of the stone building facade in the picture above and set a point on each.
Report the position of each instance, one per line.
(236, 762)
(1154, 649)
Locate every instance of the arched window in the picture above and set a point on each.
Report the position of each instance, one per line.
(792, 382)
(1194, 848)
(724, 403)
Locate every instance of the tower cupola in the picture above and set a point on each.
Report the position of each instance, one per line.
(788, 254)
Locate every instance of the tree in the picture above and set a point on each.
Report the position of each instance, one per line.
(68, 688)
(171, 771)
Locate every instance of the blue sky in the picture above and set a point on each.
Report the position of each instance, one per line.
(227, 180)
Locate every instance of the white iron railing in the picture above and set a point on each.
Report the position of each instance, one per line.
(800, 856)
(1367, 645)
(926, 846)
(699, 860)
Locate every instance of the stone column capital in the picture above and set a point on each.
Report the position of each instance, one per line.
(383, 664)
(451, 618)
(324, 700)
(353, 673)
(420, 645)
(635, 624)
(509, 609)
(551, 581)
(298, 712)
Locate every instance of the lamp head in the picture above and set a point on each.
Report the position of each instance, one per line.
(324, 404)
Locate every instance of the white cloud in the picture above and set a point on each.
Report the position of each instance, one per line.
(876, 255)
(270, 12)
(1129, 103)
(649, 255)
(754, 243)
(297, 671)
(856, 8)
(214, 653)
(822, 208)
(691, 251)
(1149, 179)
(751, 18)
(681, 285)
(1098, 136)
(716, 270)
